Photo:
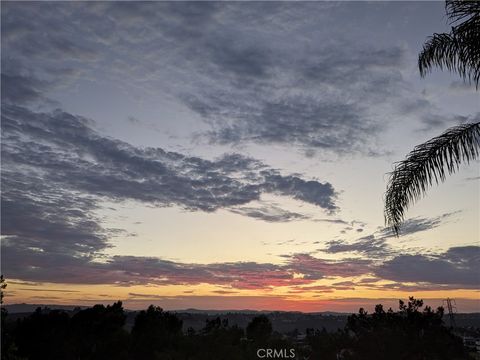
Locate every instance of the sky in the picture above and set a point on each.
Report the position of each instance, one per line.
(228, 155)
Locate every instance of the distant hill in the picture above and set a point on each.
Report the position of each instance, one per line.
(27, 308)
(282, 321)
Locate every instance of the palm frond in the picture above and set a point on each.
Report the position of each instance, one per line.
(458, 10)
(427, 164)
(459, 50)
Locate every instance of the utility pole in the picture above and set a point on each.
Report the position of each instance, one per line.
(451, 309)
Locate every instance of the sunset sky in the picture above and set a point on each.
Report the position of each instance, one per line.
(228, 156)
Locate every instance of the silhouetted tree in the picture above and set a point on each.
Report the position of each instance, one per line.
(429, 162)
(8, 346)
(409, 333)
(155, 332)
(44, 335)
(219, 341)
(215, 324)
(325, 345)
(259, 329)
(98, 333)
(3, 286)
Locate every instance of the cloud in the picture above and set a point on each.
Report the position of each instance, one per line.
(301, 121)
(32, 265)
(130, 270)
(457, 266)
(18, 89)
(55, 261)
(438, 122)
(310, 191)
(419, 286)
(419, 224)
(38, 215)
(314, 268)
(299, 107)
(332, 221)
(145, 296)
(367, 245)
(56, 170)
(23, 30)
(71, 155)
(49, 290)
(281, 75)
(269, 213)
(346, 285)
(376, 245)
(225, 292)
(278, 76)
(22, 85)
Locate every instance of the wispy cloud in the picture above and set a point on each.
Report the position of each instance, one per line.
(376, 245)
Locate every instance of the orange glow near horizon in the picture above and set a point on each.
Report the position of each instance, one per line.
(209, 297)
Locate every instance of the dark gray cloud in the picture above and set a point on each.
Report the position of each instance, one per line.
(41, 216)
(269, 213)
(56, 170)
(18, 89)
(22, 86)
(457, 266)
(367, 245)
(32, 265)
(256, 72)
(376, 283)
(419, 286)
(314, 268)
(439, 122)
(311, 191)
(301, 121)
(38, 31)
(68, 153)
(304, 115)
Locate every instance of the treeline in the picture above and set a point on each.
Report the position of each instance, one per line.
(412, 332)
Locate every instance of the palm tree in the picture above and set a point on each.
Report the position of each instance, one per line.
(428, 163)
(458, 51)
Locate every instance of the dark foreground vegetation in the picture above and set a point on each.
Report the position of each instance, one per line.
(413, 332)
